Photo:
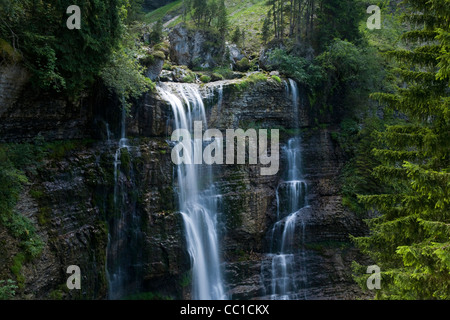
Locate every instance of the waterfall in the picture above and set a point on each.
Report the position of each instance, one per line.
(123, 263)
(287, 268)
(198, 199)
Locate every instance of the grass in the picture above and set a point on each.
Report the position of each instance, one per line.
(250, 80)
(247, 14)
(16, 269)
(160, 13)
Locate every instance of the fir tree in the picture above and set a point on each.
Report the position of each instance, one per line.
(222, 20)
(410, 236)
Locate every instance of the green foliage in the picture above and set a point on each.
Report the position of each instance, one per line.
(297, 68)
(209, 14)
(156, 36)
(224, 72)
(59, 58)
(337, 19)
(357, 141)
(205, 79)
(237, 36)
(276, 78)
(216, 76)
(123, 74)
(250, 80)
(190, 78)
(222, 23)
(315, 23)
(16, 268)
(8, 53)
(161, 12)
(409, 238)
(7, 289)
(13, 161)
(243, 65)
(17, 161)
(352, 72)
(186, 280)
(265, 30)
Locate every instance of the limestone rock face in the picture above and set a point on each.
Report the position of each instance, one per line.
(25, 114)
(154, 70)
(73, 213)
(193, 47)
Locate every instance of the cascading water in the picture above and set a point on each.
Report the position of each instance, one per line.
(198, 200)
(123, 264)
(287, 268)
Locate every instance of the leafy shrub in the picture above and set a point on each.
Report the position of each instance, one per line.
(125, 76)
(297, 68)
(14, 158)
(7, 289)
(243, 64)
(352, 72)
(60, 58)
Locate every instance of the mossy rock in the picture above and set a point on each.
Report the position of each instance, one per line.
(205, 79)
(217, 77)
(159, 55)
(243, 65)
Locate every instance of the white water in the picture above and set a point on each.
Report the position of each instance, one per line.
(124, 236)
(197, 197)
(288, 272)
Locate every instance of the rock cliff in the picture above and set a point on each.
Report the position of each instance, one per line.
(74, 204)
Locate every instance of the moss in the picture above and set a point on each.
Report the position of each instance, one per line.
(56, 295)
(59, 149)
(16, 269)
(223, 72)
(217, 76)
(276, 78)
(44, 216)
(159, 55)
(205, 79)
(252, 79)
(36, 194)
(186, 280)
(243, 65)
(167, 66)
(8, 53)
(190, 78)
(125, 161)
(147, 60)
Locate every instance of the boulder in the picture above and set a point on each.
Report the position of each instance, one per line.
(194, 48)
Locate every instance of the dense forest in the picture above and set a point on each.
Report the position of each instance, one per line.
(386, 91)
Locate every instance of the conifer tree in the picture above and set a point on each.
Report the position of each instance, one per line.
(410, 236)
